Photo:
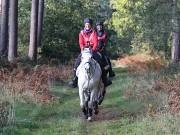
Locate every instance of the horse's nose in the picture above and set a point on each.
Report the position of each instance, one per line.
(87, 66)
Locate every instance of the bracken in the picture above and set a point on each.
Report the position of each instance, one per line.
(33, 80)
(172, 87)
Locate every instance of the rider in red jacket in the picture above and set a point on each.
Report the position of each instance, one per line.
(87, 38)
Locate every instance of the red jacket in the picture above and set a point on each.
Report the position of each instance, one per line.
(88, 37)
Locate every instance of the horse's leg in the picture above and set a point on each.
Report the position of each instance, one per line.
(91, 104)
(101, 98)
(95, 107)
(82, 102)
(95, 101)
(85, 110)
(101, 93)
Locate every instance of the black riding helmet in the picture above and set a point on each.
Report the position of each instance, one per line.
(99, 23)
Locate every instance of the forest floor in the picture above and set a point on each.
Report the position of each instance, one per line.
(135, 104)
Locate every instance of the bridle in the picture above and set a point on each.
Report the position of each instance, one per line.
(92, 68)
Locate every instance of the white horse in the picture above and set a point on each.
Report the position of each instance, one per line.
(90, 84)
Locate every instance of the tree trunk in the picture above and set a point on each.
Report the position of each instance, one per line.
(176, 47)
(13, 26)
(4, 27)
(175, 34)
(33, 31)
(40, 21)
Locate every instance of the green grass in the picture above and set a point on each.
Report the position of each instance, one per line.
(118, 115)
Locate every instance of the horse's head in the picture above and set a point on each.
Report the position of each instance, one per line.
(86, 58)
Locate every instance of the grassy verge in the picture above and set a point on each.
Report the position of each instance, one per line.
(129, 108)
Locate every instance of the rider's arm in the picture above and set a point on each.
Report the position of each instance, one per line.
(81, 41)
(95, 41)
(105, 39)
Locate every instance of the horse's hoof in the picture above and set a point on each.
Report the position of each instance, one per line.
(89, 119)
(85, 117)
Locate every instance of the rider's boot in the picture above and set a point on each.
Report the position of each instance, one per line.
(105, 80)
(73, 82)
(111, 73)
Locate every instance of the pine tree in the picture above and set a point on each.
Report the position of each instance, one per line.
(4, 27)
(13, 30)
(40, 21)
(33, 31)
(176, 34)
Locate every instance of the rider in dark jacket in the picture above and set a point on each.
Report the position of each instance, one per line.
(102, 42)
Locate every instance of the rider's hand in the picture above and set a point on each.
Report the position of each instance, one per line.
(100, 50)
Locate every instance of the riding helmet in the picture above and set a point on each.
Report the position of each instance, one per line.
(99, 23)
(88, 20)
